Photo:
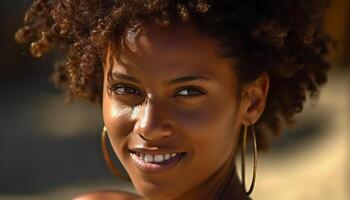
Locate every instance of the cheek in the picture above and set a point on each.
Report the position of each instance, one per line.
(212, 129)
(116, 118)
(211, 134)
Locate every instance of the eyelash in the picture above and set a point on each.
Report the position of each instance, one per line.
(197, 90)
(128, 87)
(114, 89)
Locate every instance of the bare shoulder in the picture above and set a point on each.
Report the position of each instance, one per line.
(108, 195)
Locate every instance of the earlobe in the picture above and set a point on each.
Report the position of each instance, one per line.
(254, 99)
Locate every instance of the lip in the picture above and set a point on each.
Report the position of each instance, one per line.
(156, 167)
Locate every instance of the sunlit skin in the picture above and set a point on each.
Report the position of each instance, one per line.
(150, 101)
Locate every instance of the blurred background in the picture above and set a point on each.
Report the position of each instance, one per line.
(51, 150)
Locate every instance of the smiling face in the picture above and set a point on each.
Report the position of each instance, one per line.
(168, 92)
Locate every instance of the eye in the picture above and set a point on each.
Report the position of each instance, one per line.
(189, 91)
(125, 90)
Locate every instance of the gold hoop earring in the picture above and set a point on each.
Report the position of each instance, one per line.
(244, 145)
(108, 160)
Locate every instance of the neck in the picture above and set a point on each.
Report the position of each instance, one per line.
(223, 184)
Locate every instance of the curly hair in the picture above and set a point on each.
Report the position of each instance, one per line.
(282, 38)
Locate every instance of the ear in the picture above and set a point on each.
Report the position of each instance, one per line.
(253, 99)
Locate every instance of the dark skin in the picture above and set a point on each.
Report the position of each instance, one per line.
(201, 117)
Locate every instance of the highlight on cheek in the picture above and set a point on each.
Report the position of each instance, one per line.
(135, 111)
(118, 110)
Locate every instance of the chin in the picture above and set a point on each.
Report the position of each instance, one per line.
(152, 189)
(157, 193)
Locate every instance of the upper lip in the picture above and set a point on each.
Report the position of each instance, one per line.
(155, 150)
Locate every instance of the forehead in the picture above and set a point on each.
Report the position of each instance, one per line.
(180, 49)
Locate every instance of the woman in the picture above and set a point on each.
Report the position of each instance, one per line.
(181, 83)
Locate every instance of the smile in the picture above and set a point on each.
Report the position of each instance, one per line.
(156, 163)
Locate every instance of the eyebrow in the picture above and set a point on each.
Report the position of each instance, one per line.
(171, 82)
(187, 79)
(116, 75)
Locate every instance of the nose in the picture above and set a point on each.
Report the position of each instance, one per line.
(153, 122)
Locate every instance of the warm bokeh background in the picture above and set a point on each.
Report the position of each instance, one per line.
(51, 150)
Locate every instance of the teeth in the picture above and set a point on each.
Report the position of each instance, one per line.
(155, 158)
(148, 158)
(158, 158)
(142, 156)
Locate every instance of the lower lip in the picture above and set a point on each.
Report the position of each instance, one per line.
(160, 167)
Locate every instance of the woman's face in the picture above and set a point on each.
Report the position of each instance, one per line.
(169, 93)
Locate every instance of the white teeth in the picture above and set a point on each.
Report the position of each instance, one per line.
(142, 156)
(158, 158)
(155, 158)
(148, 158)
